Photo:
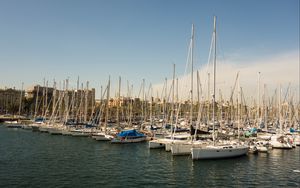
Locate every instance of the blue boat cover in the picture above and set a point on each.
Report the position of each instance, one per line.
(292, 130)
(130, 133)
(39, 119)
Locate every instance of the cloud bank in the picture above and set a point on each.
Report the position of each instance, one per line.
(280, 69)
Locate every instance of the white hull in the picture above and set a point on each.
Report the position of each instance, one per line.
(168, 146)
(55, 131)
(102, 137)
(79, 134)
(278, 145)
(66, 132)
(181, 149)
(166, 142)
(253, 149)
(11, 122)
(43, 129)
(264, 136)
(128, 140)
(280, 141)
(216, 152)
(154, 144)
(185, 147)
(262, 149)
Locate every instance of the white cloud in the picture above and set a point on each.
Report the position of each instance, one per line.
(277, 69)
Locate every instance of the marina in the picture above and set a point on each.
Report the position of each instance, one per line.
(132, 93)
(35, 159)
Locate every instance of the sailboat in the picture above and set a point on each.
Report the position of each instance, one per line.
(183, 147)
(280, 140)
(213, 151)
(129, 136)
(103, 136)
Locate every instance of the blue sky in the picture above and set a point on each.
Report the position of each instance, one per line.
(135, 39)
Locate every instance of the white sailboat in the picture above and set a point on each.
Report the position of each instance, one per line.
(280, 140)
(213, 151)
(103, 136)
(183, 147)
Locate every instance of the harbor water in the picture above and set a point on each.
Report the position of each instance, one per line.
(34, 159)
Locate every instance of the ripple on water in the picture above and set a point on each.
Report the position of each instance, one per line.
(31, 159)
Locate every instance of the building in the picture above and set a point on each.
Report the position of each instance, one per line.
(10, 100)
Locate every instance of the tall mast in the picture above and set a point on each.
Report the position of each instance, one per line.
(173, 95)
(239, 99)
(192, 75)
(214, 69)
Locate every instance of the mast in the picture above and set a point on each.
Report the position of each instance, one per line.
(36, 101)
(143, 101)
(239, 99)
(165, 102)
(208, 97)
(150, 103)
(118, 106)
(198, 87)
(214, 67)
(21, 96)
(173, 95)
(192, 75)
(66, 116)
(46, 99)
(279, 109)
(265, 108)
(43, 109)
(53, 96)
(107, 103)
(214, 77)
(258, 100)
(77, 94)
(86, 101)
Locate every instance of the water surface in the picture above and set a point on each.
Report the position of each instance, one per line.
(31, 159)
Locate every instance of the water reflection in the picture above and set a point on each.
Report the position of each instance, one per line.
(34, 159)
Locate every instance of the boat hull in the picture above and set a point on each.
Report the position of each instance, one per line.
(12, 125)
(80, 134)
(218, 152)
(156, 144)
(128, 140)
(181, 149)
(102, 137)
(55, 131)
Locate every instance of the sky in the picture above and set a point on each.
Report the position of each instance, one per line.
(142, 39)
